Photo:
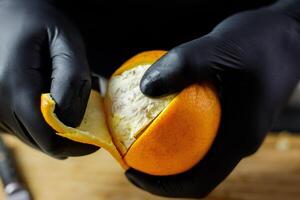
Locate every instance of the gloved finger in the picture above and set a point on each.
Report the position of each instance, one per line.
(27, 110)
(179, 68)
(71, 82)
(28, 85)
(13, 55)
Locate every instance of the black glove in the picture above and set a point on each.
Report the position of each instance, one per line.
(40, 51)
(255, 55)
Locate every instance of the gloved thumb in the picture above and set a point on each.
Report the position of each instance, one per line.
(71, 80)
(180, 67)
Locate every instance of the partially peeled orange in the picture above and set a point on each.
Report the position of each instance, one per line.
(158, 136)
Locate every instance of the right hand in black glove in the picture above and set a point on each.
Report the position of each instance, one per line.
(256, 57)
(40, 51)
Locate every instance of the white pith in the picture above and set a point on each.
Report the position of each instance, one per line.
(131, 110)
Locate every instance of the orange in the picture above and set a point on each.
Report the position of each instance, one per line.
(158, 136)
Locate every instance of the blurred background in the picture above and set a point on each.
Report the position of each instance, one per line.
(114, 31)
(273, 173)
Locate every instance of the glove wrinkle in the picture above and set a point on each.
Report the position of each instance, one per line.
(28, 138)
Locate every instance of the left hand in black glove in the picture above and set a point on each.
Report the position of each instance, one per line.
(41, 51)
(256, 57)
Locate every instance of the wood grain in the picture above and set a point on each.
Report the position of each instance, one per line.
(273, 173)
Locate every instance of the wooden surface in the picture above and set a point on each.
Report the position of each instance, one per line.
(271, 174)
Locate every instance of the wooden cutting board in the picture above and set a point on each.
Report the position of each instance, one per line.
(273, 173)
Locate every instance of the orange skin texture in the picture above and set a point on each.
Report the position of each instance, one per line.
(147, 57)
(182, 134)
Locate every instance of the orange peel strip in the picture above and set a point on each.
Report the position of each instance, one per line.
(92, 130)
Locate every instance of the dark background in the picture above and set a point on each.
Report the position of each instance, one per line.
(114, 31)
